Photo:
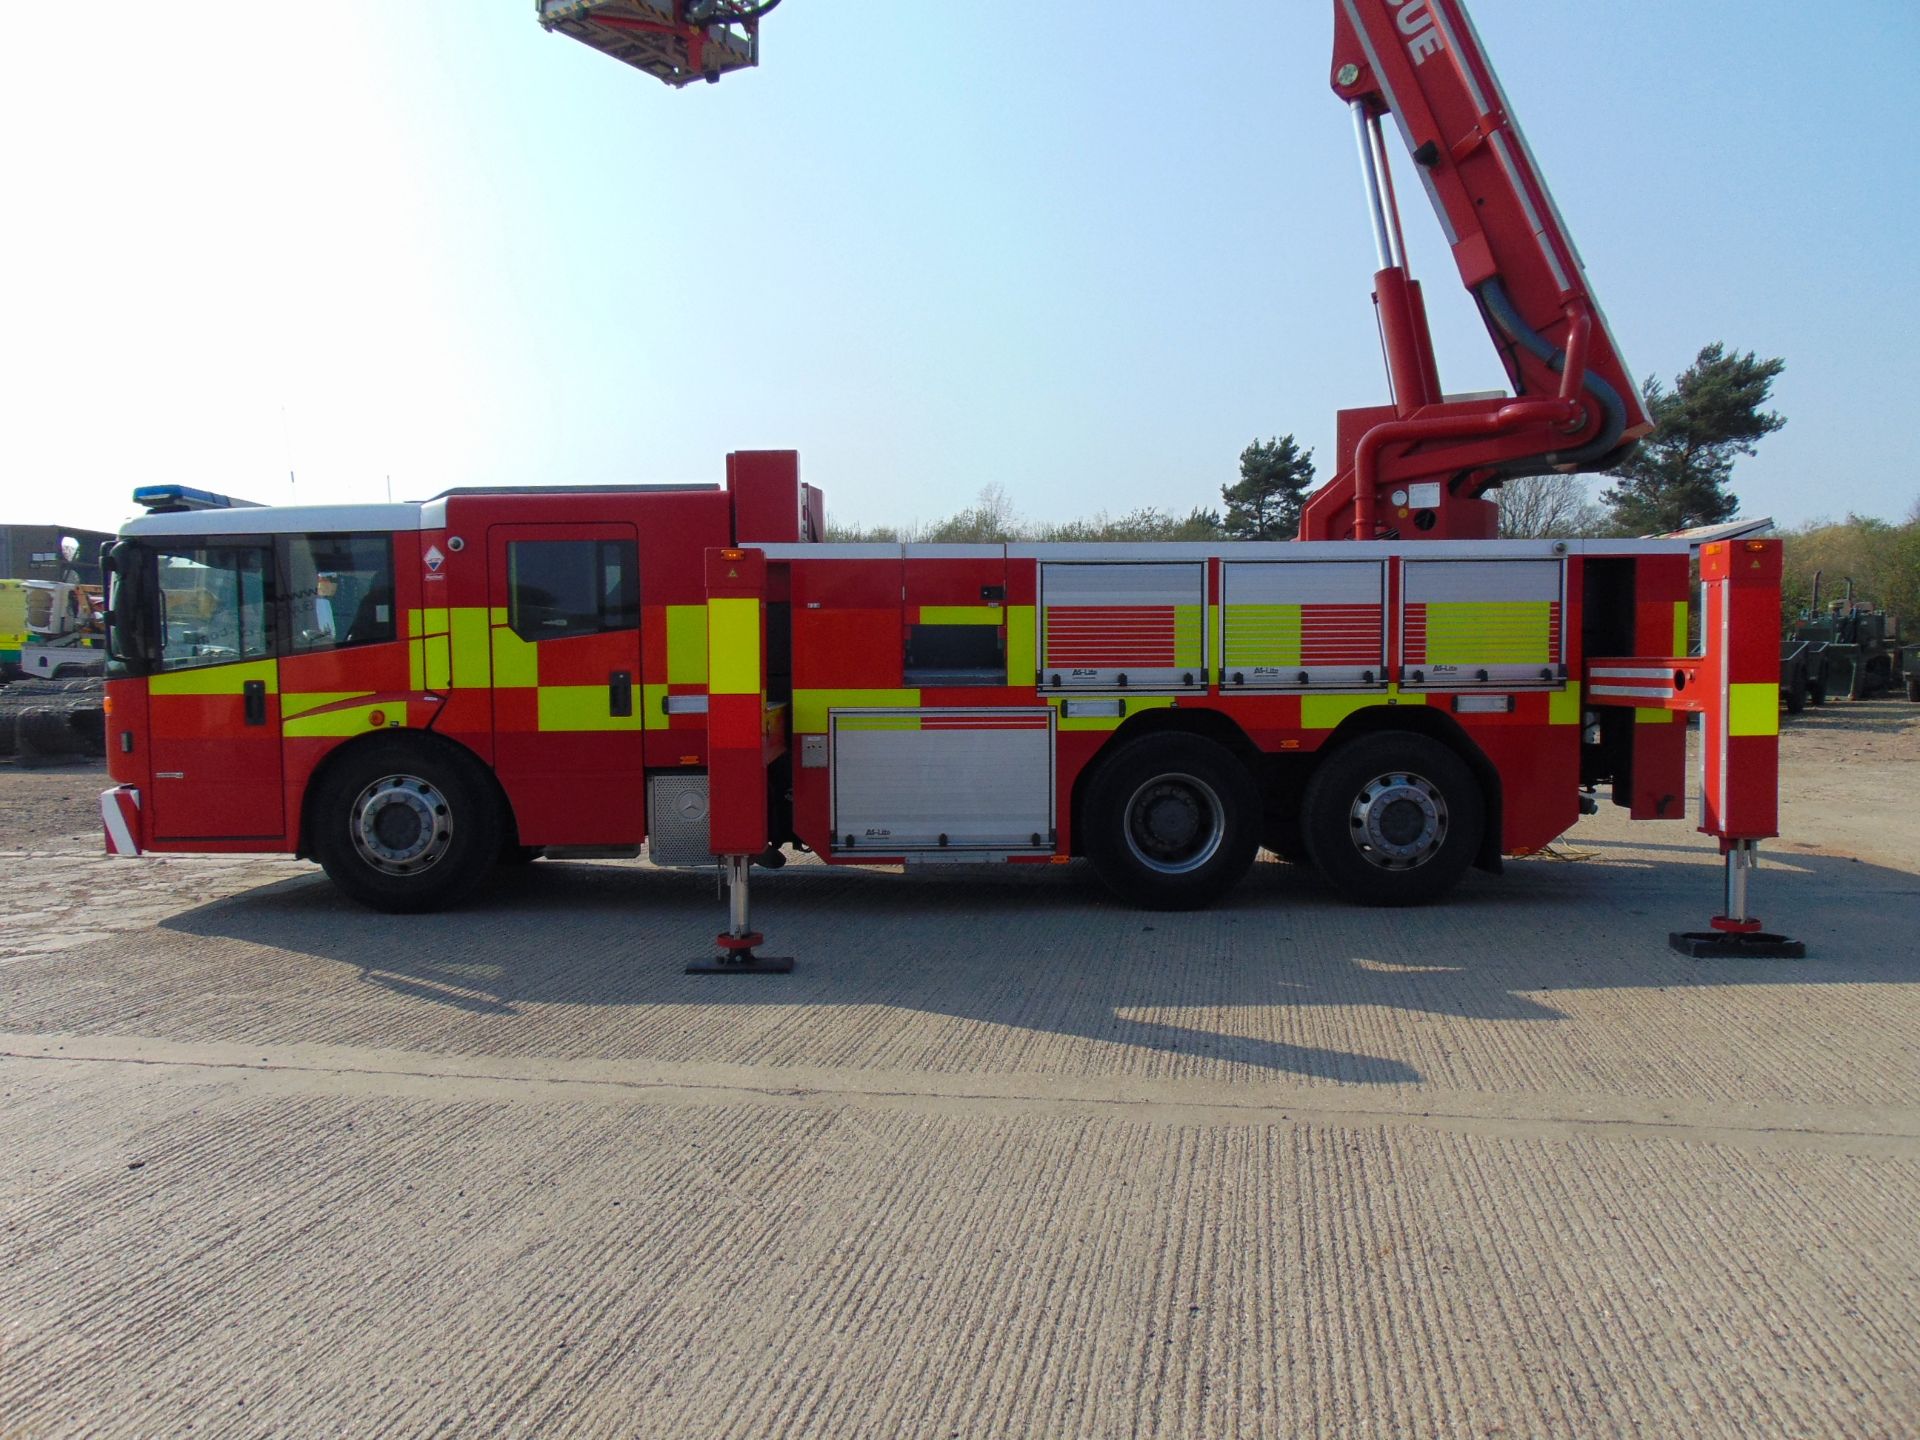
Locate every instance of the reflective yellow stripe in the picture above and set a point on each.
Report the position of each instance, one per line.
(216, 679)
(1643, 715)
(810, 707)
(1324, 712)
(348, 720)
(1682, 642)
(1494, 632)
(733, 642)
(580, 707)
(686, 644)
(961, 615)
(437, 656)
(1262, 635)
(470, 657)
(653, 707)
(1189, 635)
(1563, 706)
(430, 656)
(516, 662)
(292, 705)
(1753, 710)
(1021, 666)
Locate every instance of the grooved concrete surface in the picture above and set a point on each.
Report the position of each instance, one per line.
(1002, 1159)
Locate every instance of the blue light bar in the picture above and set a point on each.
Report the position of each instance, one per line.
(171, 499)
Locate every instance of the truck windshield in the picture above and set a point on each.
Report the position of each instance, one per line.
(180, 606)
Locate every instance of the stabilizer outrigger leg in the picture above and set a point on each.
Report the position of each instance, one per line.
(739, 942)
(744, 732)
(1736, 935)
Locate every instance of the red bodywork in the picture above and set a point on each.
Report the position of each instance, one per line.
(754, 647)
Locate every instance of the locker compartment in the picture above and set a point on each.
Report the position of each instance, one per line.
(1303, 625)
(1110, 626)
(1483, 622)
(942, 780)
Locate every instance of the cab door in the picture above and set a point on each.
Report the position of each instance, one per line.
(214, 696)
(565, 629)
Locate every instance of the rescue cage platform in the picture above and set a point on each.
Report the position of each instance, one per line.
(647, 35)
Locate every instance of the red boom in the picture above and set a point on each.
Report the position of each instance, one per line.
(1419, 467)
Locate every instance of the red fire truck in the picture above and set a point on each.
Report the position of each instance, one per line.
(412, 694)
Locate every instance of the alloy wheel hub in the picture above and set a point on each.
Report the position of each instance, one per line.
(401, 825)
(1398, 821)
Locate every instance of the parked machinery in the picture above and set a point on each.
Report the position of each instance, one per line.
(50, 630)
(1848, 650)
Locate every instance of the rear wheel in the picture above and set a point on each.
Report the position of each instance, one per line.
(1797, 692)
(1169, 821)
(1393, 819)
(403, 826)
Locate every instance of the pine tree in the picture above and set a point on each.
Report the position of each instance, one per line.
(1678, 476)
(1275, 478)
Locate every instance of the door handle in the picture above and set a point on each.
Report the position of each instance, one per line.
(620, 693)
(254, 699)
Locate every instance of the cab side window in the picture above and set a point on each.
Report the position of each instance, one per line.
(339, 591)
(562, 588)
(215, 604)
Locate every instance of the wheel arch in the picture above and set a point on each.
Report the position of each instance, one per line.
(1164, 720)
(426, 741)
(1440, 726)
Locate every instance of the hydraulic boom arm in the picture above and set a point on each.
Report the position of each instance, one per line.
(1421, 466)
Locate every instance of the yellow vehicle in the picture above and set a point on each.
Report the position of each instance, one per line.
(50, 629)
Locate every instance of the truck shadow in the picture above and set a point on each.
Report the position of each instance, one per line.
(1046, 950)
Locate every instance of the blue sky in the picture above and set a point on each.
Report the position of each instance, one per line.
(1073, 250)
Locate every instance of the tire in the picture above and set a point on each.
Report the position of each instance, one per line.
(1913, 686)
(42, 733)
(405, 826)
(9, 723)
(1169, 821)
(1393, 819)
(1816, 692)
(89, 725)
(1797, 693)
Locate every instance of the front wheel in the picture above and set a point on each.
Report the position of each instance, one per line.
(403, 826)
(1169, 821)
(1393, 819)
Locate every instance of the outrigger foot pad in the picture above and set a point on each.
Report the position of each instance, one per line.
(736, 957)
(1734, 945)
(744, 963)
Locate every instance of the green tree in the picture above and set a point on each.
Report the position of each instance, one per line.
(1678, 476)
(1275, 478)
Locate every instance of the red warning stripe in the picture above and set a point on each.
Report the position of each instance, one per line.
(1109, 635)
(1340, 635)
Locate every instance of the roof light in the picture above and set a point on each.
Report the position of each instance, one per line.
(171, 499)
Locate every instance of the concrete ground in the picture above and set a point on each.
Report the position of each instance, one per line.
(1000, 1159)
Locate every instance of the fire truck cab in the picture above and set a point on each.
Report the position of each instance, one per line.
(412, 693)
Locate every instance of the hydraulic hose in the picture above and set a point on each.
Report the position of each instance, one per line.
(1493, 295)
